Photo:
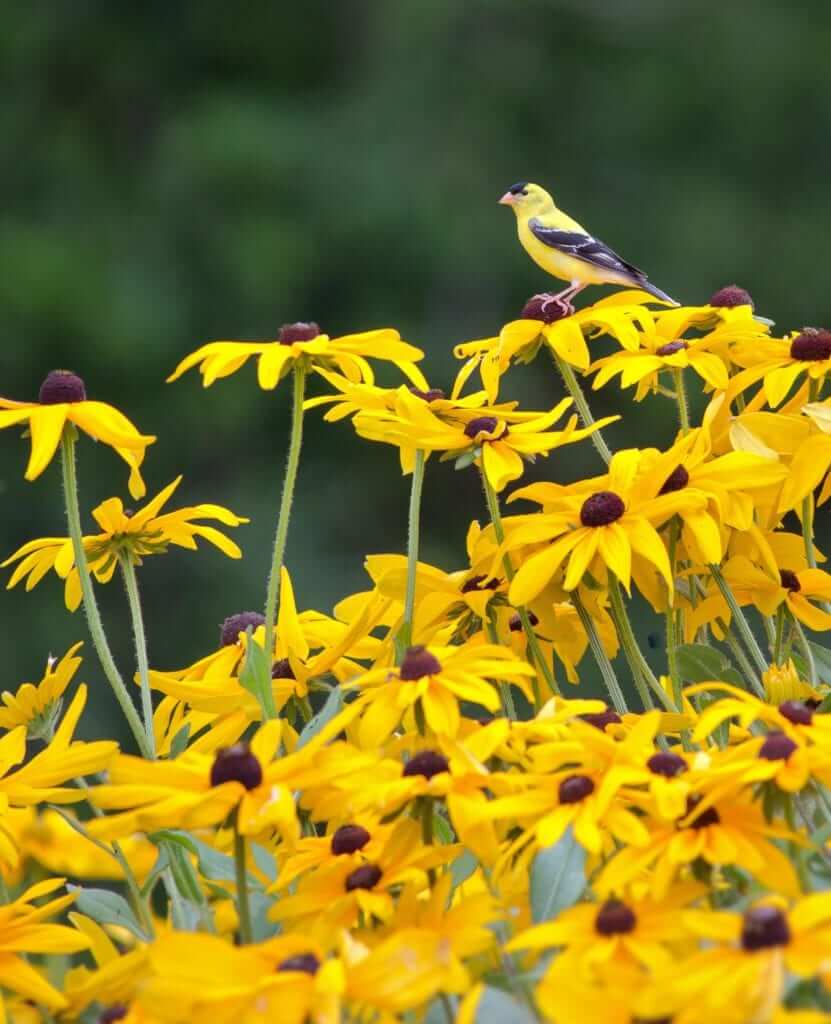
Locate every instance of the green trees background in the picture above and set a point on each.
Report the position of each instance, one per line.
(174, 173)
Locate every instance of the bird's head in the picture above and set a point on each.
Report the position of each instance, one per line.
(527, 198)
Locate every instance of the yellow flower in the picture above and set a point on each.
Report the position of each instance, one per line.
(780, 362)
(742, 976)
(599, 530)
(36, 705)
(301, 342)
(497, 439)
(41, 778)
(542, 323)
(124, 533)
(112, 981)
(22, 930)
(435, 680)
(63, 400)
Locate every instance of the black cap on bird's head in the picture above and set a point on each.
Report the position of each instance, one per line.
(519, 189)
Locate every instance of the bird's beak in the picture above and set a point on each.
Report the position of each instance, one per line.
(508, 199)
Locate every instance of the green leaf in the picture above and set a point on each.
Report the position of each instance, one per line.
(213, 865)
(265, 861)
(497, 1007)
(179, 742)
(107, 907)
(822, 660)
(463, 867)
(333, 705)
(466, 459)
(699, 663)
(558, 877)
(162, 862)
(256, 675)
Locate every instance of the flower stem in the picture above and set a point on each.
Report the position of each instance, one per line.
(681, 395)
(405, 634)
(807, 653)
(243, 906)
(582, 406)
(286, 498)
(745, 632)
(642, 674)
(779, 634)
(131, 583)
(96, 627)
(808, 530)
(530, 635)
(600, 656)
(741, 658)
(507, 697)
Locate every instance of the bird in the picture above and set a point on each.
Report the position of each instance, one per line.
(566, 250)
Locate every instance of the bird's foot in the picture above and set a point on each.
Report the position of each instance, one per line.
(559, 304)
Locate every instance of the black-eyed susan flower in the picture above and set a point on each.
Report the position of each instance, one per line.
(23, 930)
(37, 705)
(497, 440)
(134, 535)
(742, 974)
(304, 343)
(780, 362)
(435, 679)
(597, 527)
(63, 400)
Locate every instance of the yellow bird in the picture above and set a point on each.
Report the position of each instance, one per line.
(565, 249)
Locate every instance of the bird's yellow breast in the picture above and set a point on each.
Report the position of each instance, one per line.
(567, 268)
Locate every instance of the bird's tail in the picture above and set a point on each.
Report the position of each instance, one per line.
(647, 286)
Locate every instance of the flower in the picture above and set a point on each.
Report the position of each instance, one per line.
(601, 523)
(62, 401)
(306, 344)
(496, 439)
(780, 362)
(435, 679)
(22, 931)
(124, 534)
(36, 705)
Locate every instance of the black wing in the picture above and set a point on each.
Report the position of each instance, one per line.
(583, 247)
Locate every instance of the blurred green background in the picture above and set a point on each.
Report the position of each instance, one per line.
(174, 173)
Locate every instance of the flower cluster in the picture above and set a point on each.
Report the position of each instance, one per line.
(417, 808)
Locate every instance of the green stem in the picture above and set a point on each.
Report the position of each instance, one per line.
(742, 625)
(807, 653)
(808, 530)
(507, 697)
(582, 406)
(530, 636)
(743, 661)
(128, 572)
(286, 498)
(405, 634)
(779, 634)
(96, 627)
(642, 674)
(427, 821)
(681, 395)
(243, 907)
(600, 656)
(673, 624)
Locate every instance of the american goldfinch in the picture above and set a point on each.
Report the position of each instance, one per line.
(565, 249)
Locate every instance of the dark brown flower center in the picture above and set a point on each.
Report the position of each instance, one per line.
(349, 839)
(777, 747)
(671, 348)
(797, 712)
(236, 624)
(417, 663)
(236, 764)
(615, 918)
(118, 1011)
(730, 296)
(575, 788)
(479, 583)
(812, 346)
(600, 719)
(764, 928)
(426, 763)
(432, 395)
(308, 963)
(515, 622)
(281, 669)
(289, 333)
(367, 876)
(483, 425)
(676, 481)
(790, 581)
(545, 307)
(601, 509)
(667, 764)
(62, 386)
(709, 816)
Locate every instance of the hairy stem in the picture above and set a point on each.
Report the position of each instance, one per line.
(582, 406)
(600, 656)
(405, 634)
(681, 395)
(243, 905)
(131, 583)
(742, 625)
